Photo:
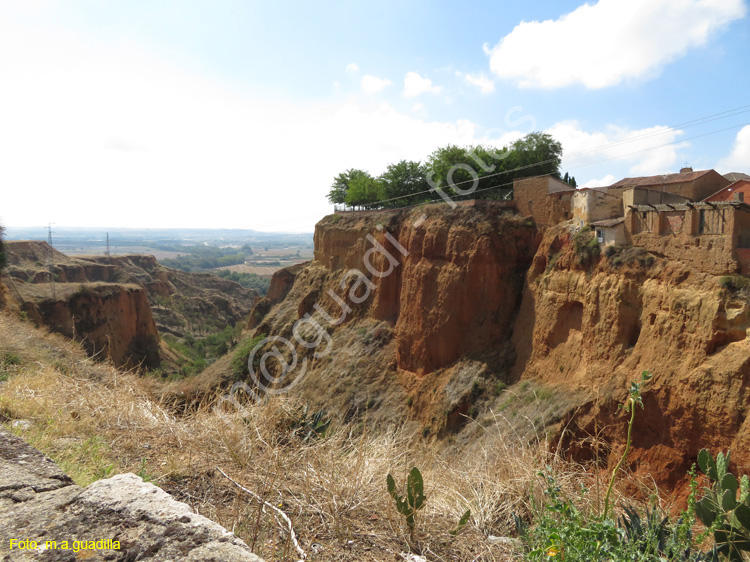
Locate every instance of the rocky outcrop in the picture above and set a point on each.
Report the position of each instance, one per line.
(418, 307)
(124, 517)
(598, 327)
(449, 283)
(465, 309)
(118, 305)
(110, 320)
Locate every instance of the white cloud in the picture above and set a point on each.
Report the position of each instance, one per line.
(352, 67)
(97, 135)
(609, 179)
(641, 150)
(485, 85)
(739, 159)
(603, 44)
(373, 84)
(415, 85)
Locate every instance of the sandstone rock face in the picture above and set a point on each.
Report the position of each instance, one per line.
(464, 284)
(112, 321)
(38, 502)
(118, 305)
(450, 283)
(599, 327)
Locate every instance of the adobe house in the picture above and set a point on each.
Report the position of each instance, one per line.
(590, 204)
(544, 198)
(735, 191)
(695, 186)
(610, 232)
(712, 236)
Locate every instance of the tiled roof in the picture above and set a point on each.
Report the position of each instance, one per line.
(736, 176)
(607, 223)
(661, 180)
(662, 207)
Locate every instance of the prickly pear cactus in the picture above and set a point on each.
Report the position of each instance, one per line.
(722, 510)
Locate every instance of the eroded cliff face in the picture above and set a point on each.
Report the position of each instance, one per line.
(406, 296)
(111, 321)
(598, 327)
(452, 281)
(466, 309)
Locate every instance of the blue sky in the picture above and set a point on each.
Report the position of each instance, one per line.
(238, 113)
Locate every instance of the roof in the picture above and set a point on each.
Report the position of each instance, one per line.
(736, 176)
(664, 207)
(608, 223)
(661, 180)
(726, 193)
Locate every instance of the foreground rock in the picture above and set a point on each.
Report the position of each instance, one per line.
(38, 502)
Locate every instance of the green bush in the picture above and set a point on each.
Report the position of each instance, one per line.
(735, 283)
(586, 246)
(242, 354)
(565, 530)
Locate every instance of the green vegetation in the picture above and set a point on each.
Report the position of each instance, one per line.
(455, 170)
(248, 280)
(628, 255)
(586, 246)
(242, 354)
(566, 529)
(199, 258)
(726, 515)
(735, 284)
(197, 353)
(414, 501)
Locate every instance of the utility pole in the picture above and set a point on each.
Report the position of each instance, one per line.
(107, 254)
(50, 262)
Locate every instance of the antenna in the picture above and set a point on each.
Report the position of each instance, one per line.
(50, 261)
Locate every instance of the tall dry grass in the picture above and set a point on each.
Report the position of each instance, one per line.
(97, 421)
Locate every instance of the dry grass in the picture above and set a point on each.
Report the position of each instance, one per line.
(96, 421)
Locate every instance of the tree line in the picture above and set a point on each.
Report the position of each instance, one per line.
(476, 172)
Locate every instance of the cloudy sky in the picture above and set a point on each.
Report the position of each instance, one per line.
(238, 113)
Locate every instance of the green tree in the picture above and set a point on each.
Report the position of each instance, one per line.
(534, 155)
(362, 191)
(405, 181)
(342, 183)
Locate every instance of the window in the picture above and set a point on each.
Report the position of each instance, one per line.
(702, 221)
(600, 236)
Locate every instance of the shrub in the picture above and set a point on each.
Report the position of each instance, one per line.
(242, 354)
(735, 283)
(586, 246)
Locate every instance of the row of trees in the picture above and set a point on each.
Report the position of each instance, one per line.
(478, 172)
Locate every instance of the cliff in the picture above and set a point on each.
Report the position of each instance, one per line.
(423, 298)
(475, 299)
(119, 305)
(111, 320)
(199, 303)
(598, 327)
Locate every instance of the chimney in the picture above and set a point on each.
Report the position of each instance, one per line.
(686, 170)
(738, 196)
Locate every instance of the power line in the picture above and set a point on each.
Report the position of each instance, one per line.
(686, 124)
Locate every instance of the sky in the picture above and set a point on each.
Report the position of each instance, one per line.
(238, 113)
